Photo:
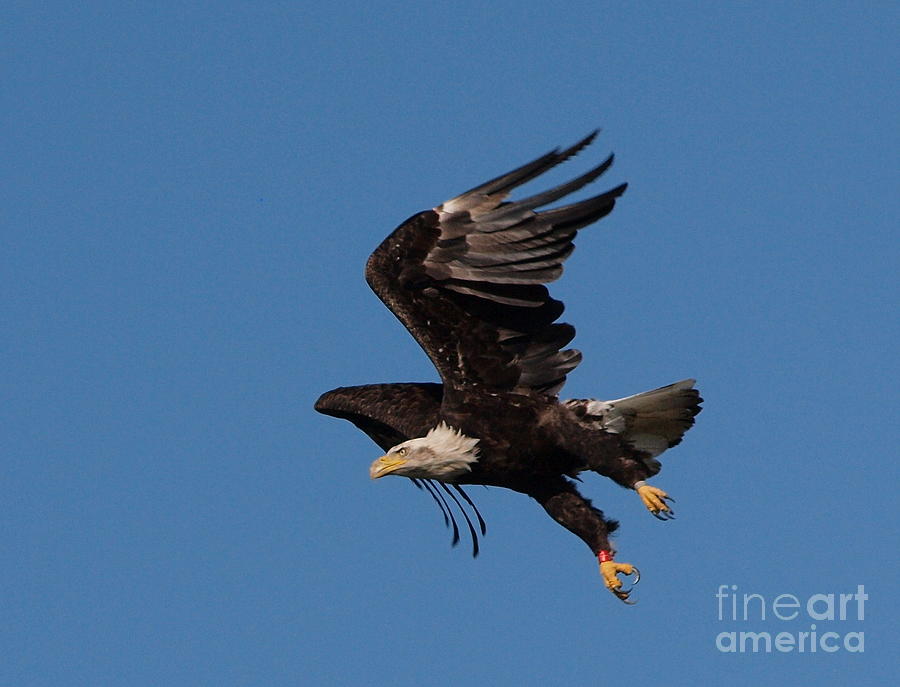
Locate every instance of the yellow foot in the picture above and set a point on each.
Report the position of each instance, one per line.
(655, 500)
(609, 570)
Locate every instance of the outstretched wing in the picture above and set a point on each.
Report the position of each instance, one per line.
(389, 413)
(392, 413)
(467, 279)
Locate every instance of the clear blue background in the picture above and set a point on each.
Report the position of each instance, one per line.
(190, 193)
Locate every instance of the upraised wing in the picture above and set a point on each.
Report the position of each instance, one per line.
(467, 279)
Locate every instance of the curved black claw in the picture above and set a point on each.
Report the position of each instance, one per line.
(622, 596)
(663, 515)
(637, 578)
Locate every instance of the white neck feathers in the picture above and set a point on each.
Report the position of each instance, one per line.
(447, 441)
(444, 453)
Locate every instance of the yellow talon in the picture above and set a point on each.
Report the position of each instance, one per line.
(610, 569)
(654, 499)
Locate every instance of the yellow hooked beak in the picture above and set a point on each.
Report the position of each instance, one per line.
(385, 466)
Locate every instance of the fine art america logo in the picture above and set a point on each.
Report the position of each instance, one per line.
(816, 623)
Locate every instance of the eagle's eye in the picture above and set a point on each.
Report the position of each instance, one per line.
(402, 451)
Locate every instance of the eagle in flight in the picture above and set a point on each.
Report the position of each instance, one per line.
(467, 279)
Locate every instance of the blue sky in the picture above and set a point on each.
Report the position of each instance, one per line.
(190, 195)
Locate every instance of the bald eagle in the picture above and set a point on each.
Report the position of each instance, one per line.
(467, 279)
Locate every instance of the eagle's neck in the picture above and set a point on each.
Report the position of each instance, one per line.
(450, 453)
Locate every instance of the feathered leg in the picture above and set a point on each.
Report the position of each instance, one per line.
(563, 503)
(647, 424)
(604, 453)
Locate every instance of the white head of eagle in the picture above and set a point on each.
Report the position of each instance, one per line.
(443, 454)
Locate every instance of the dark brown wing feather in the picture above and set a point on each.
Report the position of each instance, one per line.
(467, 279)
(393, 413)
(389, 413)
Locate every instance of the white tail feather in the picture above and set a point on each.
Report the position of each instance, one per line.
(651, 421)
